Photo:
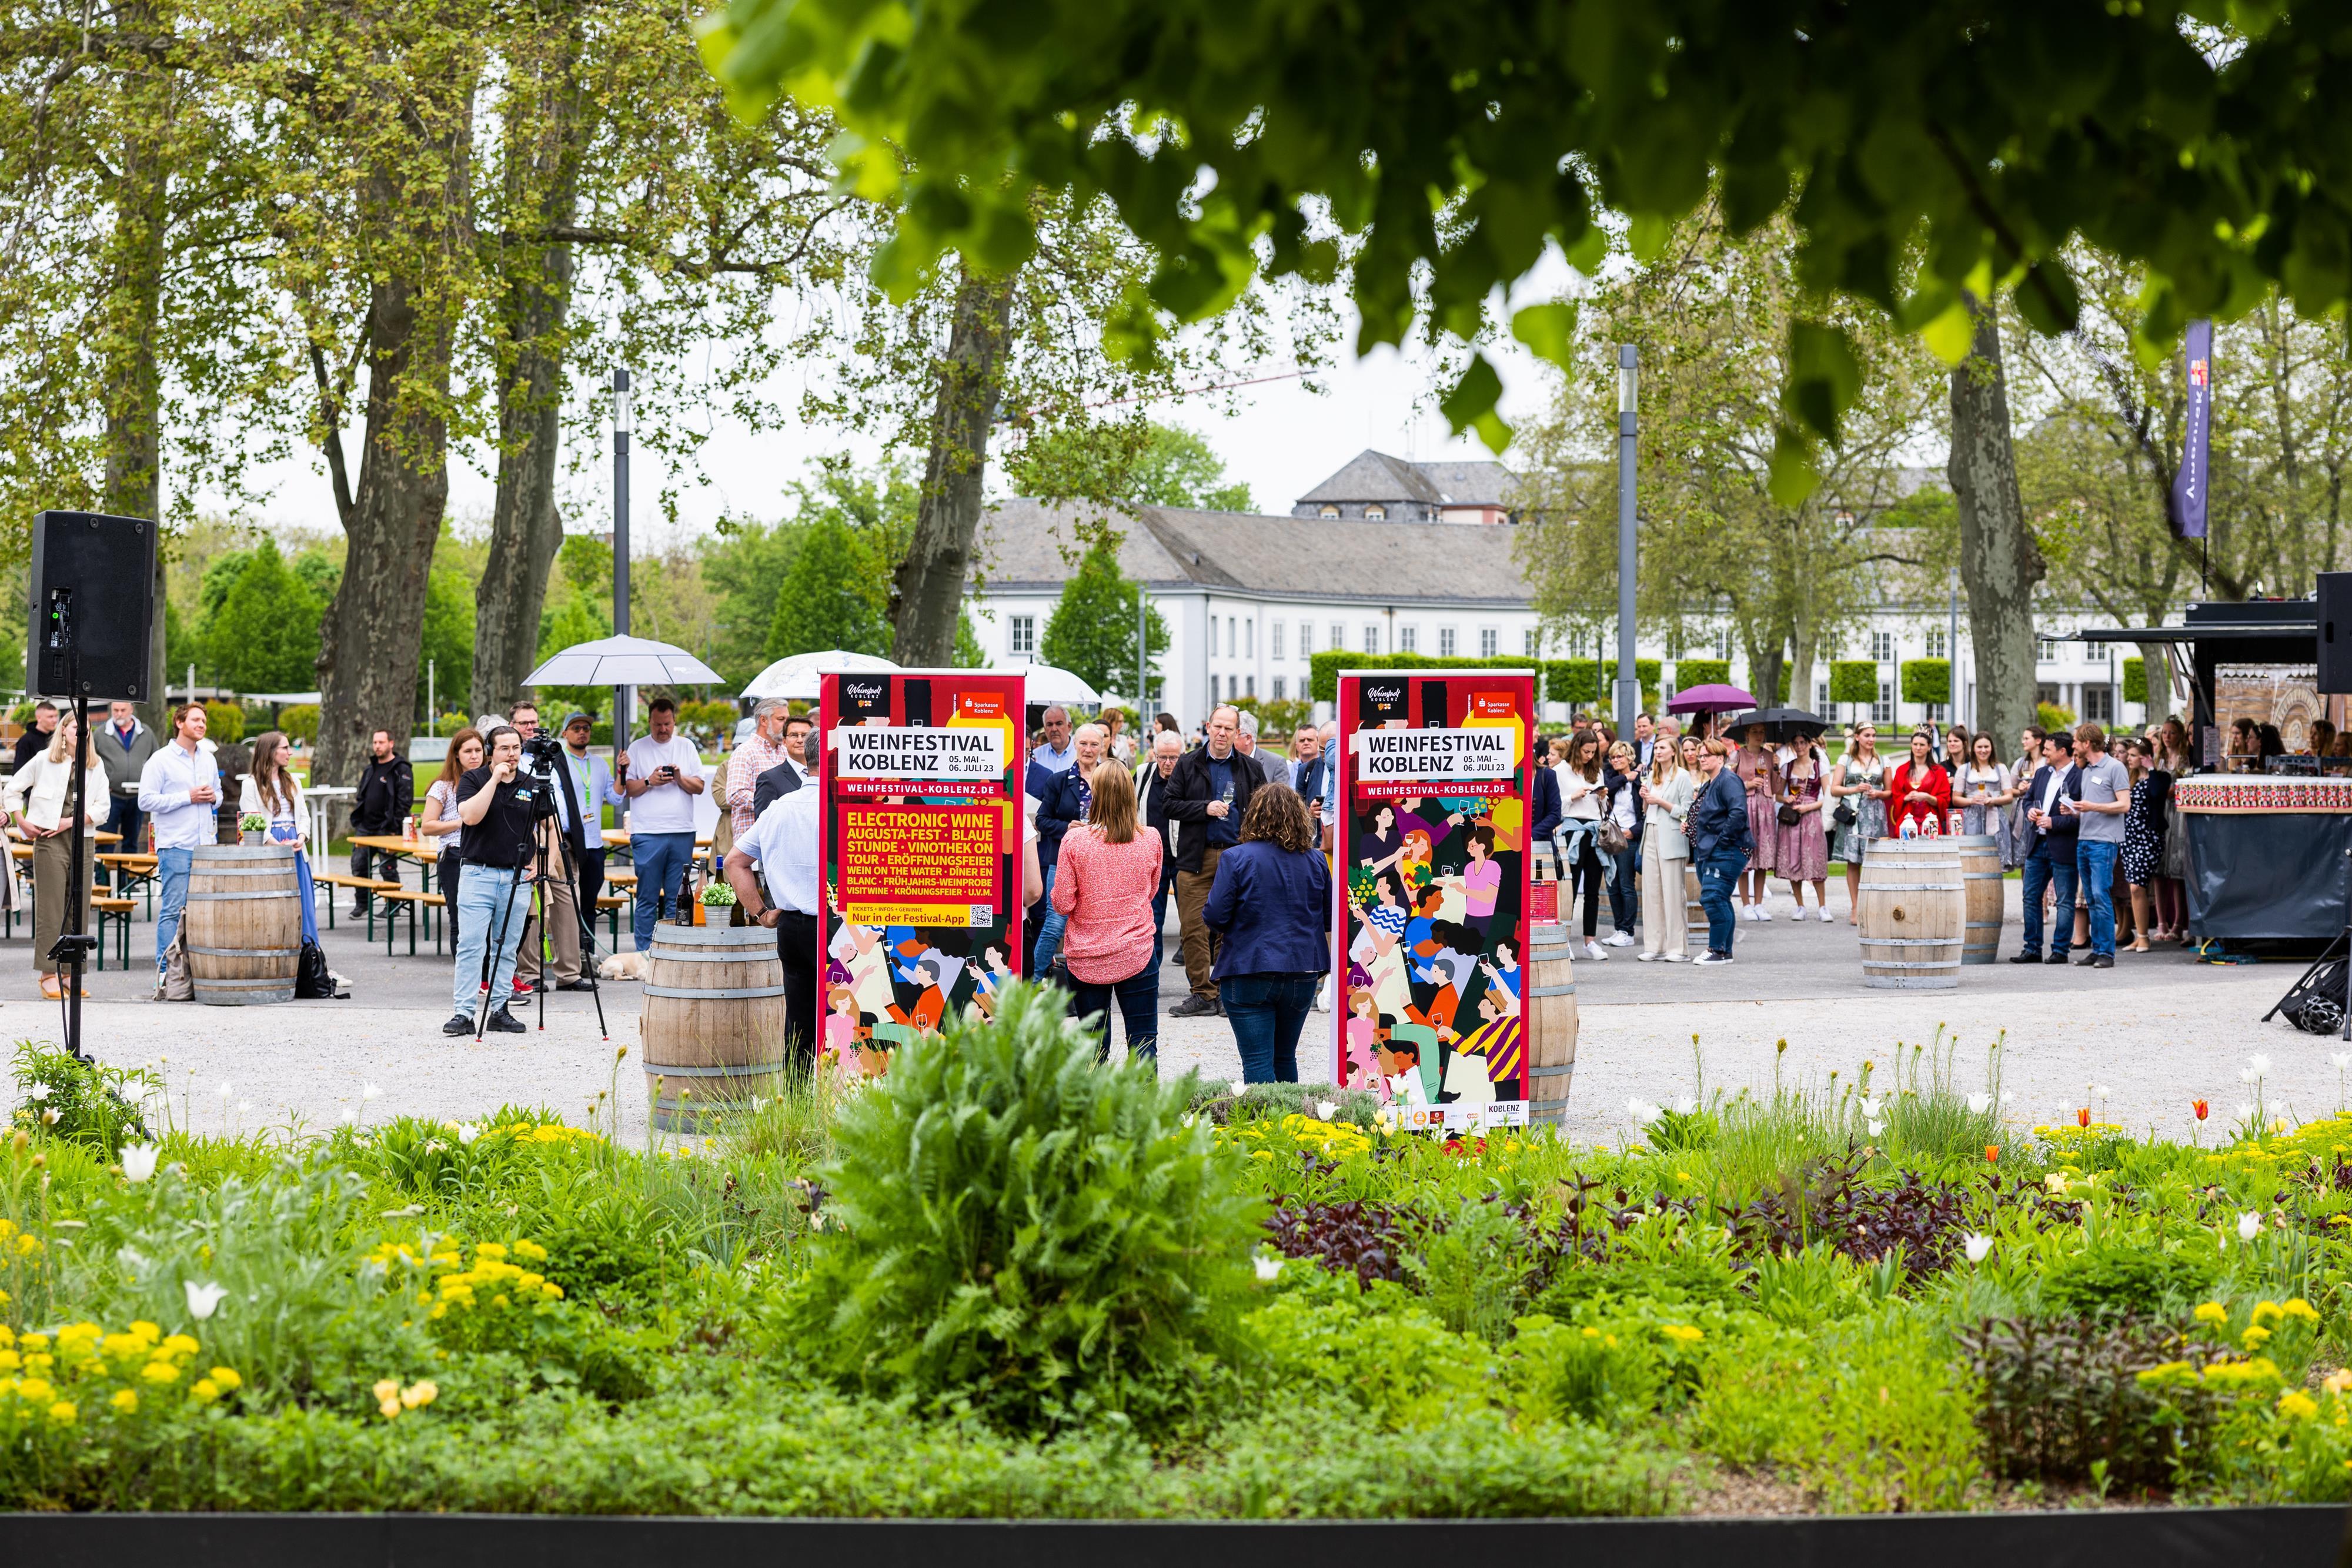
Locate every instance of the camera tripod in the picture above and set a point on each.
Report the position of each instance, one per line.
(536, 853)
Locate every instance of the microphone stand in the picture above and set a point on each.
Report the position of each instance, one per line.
(72, 947)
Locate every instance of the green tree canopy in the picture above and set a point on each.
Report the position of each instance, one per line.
(263, 634)
(1925, 149)
(571, 617)
(1142, 462)
(1091, 632)
(822, 603)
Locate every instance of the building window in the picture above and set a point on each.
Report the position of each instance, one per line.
(1212, 691)
(1229, 636)
(1446, 642)
(1371, 636)
(1273, 639)
(1675, 641)
(2046, 650)
(2099, 704)
(1253, 685)
(1882, 650)
(1376, 513)
(1533, 644)
(1280, 685)
(1249, 638)
(1306, 639)
(1021, 634)
(1408, 639)
(1723, 645)
(1935, 643)
(1933, 713)
(1882, 710)
(1328, 511)
(1490, 641)
(1821, 696)
(2095, 652)
(1338, 638)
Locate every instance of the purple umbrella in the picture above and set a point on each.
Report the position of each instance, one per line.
(1710, 699)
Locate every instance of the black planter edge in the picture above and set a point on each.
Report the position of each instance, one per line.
(2306, 1536)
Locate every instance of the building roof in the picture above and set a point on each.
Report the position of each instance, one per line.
(1030, 546)
(1377, 476)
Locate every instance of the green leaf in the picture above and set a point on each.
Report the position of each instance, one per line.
(1824, 378)
(1549, 330)
(1949, 334)
(1473, 399)
(1794, 475)
(2047, 299)
(1646, 235)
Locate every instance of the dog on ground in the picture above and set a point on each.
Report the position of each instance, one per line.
(623, 966)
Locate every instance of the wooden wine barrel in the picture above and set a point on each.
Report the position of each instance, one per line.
(1912, 914)
(244, 924)
(1550, 1005)
(714, 1019)
(1983, 900)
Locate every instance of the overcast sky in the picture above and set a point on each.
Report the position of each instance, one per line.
(1282, 439)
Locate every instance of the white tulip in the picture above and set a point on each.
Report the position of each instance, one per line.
(244, 1107)
(2098, 1091)
(1326, 1109)
(348, 1116)
(1268, 1269)
(2341, 1061)
(1977, 1247)
(1686, 1105)
(1237, 1089)
(138, 1162)
(2250, 1225)
(2258, 1065)
(1642, 1111)
(2245, 1111)
(468, 1132)
(1875, 1127)
(227, 1091)
(38, 1092)
(202, 1299)
(370, 1092)
(1979, 1103)
(1870, 1106)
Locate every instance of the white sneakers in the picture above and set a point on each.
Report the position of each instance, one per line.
(1713, 958)
(1646, 957)
(1592, 951)
(1755, 911)
(1675, 957)
(1618, 939)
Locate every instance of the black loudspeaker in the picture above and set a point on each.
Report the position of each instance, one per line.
(2336, 631)
(94, 596)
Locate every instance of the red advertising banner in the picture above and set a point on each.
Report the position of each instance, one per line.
(918, 834)
(1436, 781)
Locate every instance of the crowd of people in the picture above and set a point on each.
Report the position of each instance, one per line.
(2092, 833)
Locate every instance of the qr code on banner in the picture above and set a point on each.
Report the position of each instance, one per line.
(981, 914)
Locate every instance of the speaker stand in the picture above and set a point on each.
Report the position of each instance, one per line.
(2342, 940)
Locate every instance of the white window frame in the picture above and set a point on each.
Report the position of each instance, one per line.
(1371, 636)
(1532, 643)
(1882, 710)
(1280, 686)
(1021, 636)
(1408, 637)
(1273, 639)
(1490, 641)
(1882, 651)
(1446, 642)
(1338, 637)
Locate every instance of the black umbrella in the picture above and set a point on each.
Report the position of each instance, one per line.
(1779, 723)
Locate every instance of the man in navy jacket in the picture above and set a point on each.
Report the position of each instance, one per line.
(2050, 851)
(1720, 844)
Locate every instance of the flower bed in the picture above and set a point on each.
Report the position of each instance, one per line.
(1003, 1283)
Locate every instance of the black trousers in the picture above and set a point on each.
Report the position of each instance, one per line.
(796, 946)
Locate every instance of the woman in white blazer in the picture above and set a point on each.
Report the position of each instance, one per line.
(270, 790)
(1665, 851)
(38, 800)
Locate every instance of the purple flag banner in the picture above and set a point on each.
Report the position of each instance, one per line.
(2189, 486)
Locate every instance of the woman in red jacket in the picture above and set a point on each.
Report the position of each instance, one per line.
(1919, 791)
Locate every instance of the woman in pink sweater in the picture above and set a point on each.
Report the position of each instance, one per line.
(1103, 883)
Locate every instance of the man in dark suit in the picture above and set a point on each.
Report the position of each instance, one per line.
(1069, 795)
(2050, 851)
(1207, 794)
(788, 775)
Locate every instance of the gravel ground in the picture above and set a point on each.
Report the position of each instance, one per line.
(2157, 1030)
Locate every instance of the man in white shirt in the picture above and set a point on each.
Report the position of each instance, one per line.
(783, 897)
(664, 775)
(180, 790)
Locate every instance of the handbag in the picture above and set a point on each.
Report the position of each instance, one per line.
(1789, 816)
(1613, 838)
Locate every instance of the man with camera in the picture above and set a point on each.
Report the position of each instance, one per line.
(498, 806)
(573, 837)
(664, 775)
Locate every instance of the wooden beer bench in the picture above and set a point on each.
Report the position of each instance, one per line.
(395, 900)
(115, 911)
(357, 885)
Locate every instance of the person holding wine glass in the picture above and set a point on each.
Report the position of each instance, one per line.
(1984, 788)
(39, 800)
(1920, 790)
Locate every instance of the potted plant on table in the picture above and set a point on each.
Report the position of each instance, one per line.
(716, 896)
(254, 827)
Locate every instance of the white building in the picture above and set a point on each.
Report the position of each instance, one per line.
(1389, 557)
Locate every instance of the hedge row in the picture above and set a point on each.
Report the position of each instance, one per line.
(1560, 680)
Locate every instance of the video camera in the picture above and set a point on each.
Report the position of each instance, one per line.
(543, 756)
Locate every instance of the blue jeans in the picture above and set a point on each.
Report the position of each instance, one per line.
(1159, 914)
(128, 819)
(2095, 867)
(481, 895)
(171, 868)
(1049, 931)
(662, 861)
(1719, 874)
(2041, 873)
(310, 897)
(1138, 1008)
(1267, 1012)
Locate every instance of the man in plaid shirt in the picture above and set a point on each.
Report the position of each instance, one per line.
(758, 751)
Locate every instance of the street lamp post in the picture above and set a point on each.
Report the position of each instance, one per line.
(625, 698)
(1629, 678)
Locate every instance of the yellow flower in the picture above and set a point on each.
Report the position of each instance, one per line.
(2253, 1337)
(531, 1250)
(2212, 1312)
(2338, 1381)
(33, 1390)
(178, 1344)
(2266, 1313)
(160, 1372)
(419, 1393)
(148, 1331)
(2296, 1307)
(62, 1413)
(125, 1400)
(489, 1249)
(33, 1342)
(39, 1363)
(206, 1391)
(226, 1377)
(2297, 1406)
(10, 1360)
(1683, 1333)
(387, 1389)
(390, 1408)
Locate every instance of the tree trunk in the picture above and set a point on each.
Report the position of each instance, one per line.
(131, 316)
(526, 532)
(927, 595)
(371, 637)
(2000, 561)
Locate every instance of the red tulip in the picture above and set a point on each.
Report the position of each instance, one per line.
(2200, 1108)
(1992, 1153)
(2083, 1117)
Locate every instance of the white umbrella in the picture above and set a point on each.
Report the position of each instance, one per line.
(795, 678)
(623, 662)
(1046, 684)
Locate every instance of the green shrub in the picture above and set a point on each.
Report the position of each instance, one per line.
(2054, 719)
(1853, 681)
(2064, 1394)
(1689, 672)
(1926, 680)
(224, 723)
(1474, 1268)
(84, 1103)
(1012, 1226)
(2130, 1279)
(2135, 680)
(300, 723)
